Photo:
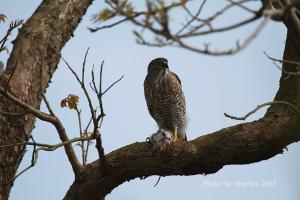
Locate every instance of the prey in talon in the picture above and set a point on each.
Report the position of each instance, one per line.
(161, 140)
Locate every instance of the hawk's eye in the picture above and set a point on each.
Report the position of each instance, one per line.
(156, 65)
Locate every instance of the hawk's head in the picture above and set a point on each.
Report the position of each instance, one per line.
(158, 65)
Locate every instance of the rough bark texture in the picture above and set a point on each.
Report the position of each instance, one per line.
(36, 54)
(240, 144)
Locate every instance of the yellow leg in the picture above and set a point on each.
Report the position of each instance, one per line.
(175, 136)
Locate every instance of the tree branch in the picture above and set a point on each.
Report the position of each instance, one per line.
(261, 106)
(241, 144)
(53, 120)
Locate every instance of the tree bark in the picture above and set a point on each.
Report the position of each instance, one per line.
(241, 144)
(32, 63)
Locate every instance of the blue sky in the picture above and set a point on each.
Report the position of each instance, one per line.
(212, 86)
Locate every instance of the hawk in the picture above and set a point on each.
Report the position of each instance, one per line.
(165, 98)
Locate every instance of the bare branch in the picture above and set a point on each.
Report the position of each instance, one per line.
(100, 88)
(222, 29)
(261, 106)
(156, 21)
(239, 4)
(81, 135)
(284, 61)
(92, 110)
(13, 25)
(97, 120)
(88, 142)
(34, 157)
(113, 84)
(72, 71)
(28, 108)
(231, 51)
(194, 17)
(83, 65)
(96, 133)
(67, 143)
(285, 71)
(281, 61)
(109, 26)
(21, 143)
(48, 105)
(53, 120)
(49, 147)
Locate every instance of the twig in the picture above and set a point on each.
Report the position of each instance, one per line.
(213, 17)
(88, 142)
(84, 90)
(83, 65)
(48, 147)
(72, 71)
(113, 84)
(95, 133)
(48, 105)
(194, 17)
(285, 71)
(27, 107)
(157, 181)
(156, 21)
(12, 26)
(53, 120)
(238, 4)
(259, 107)
(283, 61)
(222, 29)
(231, 51)
(34, 158)
(25, 143)
(97, 119)
(81, 135)
(108, 26)
(100, 87)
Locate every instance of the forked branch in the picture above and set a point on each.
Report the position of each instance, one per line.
(51, 119)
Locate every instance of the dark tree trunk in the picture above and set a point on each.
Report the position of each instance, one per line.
(36, 54)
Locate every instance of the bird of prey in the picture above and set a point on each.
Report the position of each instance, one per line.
(165, 98)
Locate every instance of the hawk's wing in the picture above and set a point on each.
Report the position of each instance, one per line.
(176, 77)
(147, 92)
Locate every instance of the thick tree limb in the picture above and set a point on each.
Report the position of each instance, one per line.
(42, 36)
(241, 144)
